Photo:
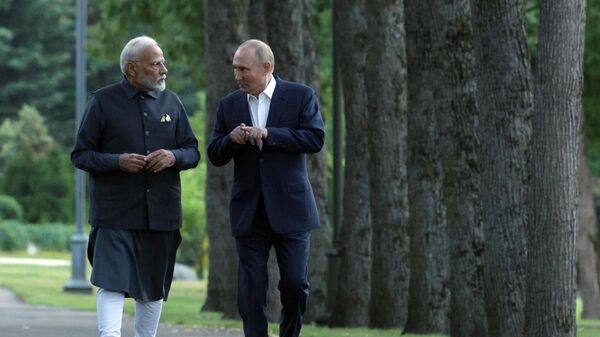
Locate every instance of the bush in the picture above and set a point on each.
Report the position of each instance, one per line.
(42, 183)
(49, 237)
(10, 209)
(13, 236)
(53, 237)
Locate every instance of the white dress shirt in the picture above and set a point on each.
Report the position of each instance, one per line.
(259, 106)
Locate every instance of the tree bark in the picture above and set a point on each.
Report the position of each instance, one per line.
(505, 102)
(429, 292)
(587, 235)
(460, 148)
(351, 307)
(285, 29)
(386, 93)
(222, 39)
(257, 26)
(322, 238)
(550, 309)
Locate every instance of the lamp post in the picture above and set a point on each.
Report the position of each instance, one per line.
(78, 281)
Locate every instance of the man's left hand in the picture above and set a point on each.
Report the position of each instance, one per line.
(159, 160)
(255, 134)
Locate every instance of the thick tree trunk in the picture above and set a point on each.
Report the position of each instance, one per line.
(351, 307)
(429, 292)
(550, 309)
(222, 39)
(459, 148)
(587, 260)
(386, 93)
(505, 102)
(322, 238)
(285, 29)
(257, 25)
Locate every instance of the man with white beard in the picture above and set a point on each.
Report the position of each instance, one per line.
(134, 139)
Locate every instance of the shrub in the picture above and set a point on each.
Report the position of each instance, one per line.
(53, 237)
(13, 236)
(49, 237)
(10, 209)
(42, 183)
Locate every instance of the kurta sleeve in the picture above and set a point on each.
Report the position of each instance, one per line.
(86, 154)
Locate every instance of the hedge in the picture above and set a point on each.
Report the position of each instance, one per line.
(52, 237)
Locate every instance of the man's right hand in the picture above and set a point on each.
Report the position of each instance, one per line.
(132, 162)
(238, 135)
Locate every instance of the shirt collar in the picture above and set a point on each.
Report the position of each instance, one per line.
(132, 91)
(269, 89)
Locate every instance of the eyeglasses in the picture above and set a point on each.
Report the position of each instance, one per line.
(155, 64)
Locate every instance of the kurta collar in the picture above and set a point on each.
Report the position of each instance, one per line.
(132, 91)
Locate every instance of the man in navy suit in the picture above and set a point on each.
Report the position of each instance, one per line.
(267, 127)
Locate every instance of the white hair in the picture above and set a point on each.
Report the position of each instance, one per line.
(134, 48)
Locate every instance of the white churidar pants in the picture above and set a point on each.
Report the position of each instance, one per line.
(110, 314)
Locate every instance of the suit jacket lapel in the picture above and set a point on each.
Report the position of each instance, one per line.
(278, 102)
(244, 110)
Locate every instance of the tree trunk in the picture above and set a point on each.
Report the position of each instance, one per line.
(550, 309)
(386, 93)
(222, 39)
(586, 236)
(322, 238)
(351, 307)
(257, 26)
(505, 102)
(457, 122)
(429, 293)
(285, 29)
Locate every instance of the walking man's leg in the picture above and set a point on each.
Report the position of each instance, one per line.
(147, 316)
(292, 257)
(110, 312)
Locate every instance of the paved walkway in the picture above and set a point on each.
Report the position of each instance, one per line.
(19, 319)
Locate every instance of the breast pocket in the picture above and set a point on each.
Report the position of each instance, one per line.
(161, 132)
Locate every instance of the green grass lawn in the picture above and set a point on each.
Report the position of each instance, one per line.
(43, 285)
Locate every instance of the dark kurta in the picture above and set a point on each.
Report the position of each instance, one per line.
(136, 216)
(119, 119)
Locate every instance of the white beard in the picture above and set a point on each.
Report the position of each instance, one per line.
(158, 86)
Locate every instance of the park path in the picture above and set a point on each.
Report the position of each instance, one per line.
(19, 319)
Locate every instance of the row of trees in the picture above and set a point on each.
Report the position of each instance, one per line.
(446, 140)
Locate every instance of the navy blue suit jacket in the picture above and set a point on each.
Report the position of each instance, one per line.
(278, 171)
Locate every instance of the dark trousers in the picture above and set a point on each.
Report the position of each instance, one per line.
(292, 257)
